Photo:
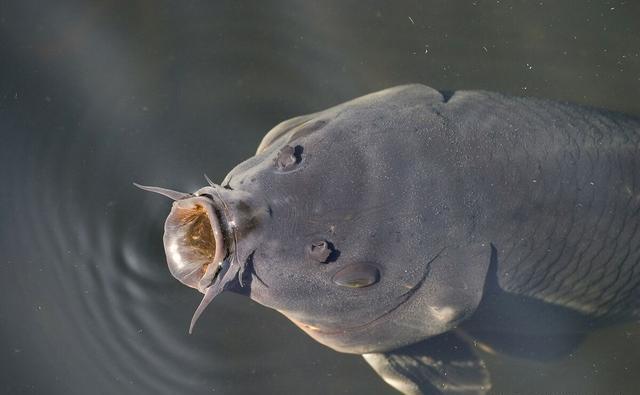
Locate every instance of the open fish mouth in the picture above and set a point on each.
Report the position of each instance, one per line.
(193, 242)
(195, 245)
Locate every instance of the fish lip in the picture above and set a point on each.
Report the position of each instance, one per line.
(213, 268)
(219, 218)
(214, 280)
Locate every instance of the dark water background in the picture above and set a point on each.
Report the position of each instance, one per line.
(94, 95)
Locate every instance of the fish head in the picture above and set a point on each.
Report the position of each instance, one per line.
(322, 226)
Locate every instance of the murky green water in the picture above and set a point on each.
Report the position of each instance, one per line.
(94, 95)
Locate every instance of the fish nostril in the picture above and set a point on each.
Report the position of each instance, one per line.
(357, 275)
(288, 157)
(322, 251)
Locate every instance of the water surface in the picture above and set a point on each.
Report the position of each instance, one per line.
(95, 95)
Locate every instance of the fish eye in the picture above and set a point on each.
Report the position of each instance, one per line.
(288, 158)
(192, 240)
(357, 275)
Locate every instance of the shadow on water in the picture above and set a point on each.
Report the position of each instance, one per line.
(96, 95)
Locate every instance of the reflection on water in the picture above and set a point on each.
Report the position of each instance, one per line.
(94, 96)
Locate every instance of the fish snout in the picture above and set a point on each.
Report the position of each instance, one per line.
(203, 235)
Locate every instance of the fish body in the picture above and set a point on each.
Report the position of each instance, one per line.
(404, 223)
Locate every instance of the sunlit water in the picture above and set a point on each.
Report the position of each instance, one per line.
(95, 96)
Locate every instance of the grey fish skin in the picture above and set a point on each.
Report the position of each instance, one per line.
(552, 186)
(562, 204)
(361, 185)
(400, 224)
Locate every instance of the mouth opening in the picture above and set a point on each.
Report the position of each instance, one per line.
(193, 242)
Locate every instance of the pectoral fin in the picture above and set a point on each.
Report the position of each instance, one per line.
(545, 347)
(441, 365)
